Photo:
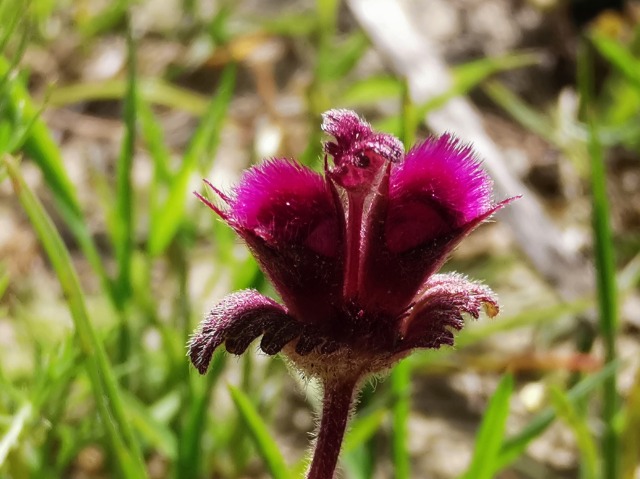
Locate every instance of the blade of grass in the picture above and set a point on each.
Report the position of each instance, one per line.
(327, 15)
(263, 441)
(165, 221)
(190, 462)
(469, 75)
(12, 436)
(4, 279)
(124, 201)
(514, 446)
(370, 90)
(401, 390)
(106, 19)
(105, 387)
(42, 149)
(288, 24)
(40, 145)
(630, 439)
(524, 114)
(362, 429)
(9, 17)
(152, 90)
(153, 136)
(491, 432)
(346, 55)
(576, 420)
(466, 77)
(605, 264)
(359, 448)
(620, 57)
(155, 433)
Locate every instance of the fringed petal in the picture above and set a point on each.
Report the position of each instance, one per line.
(436, 197)
(437, 189)
(287, 215)
(283, 202)
(439, 309)
(237, 321)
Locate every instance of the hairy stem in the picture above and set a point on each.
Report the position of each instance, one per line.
(338, 398)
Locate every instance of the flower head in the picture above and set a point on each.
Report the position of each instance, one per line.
(353, 253)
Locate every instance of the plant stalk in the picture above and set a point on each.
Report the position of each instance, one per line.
(337, 402)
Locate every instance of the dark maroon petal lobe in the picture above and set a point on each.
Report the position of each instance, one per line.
(436, 197)
(439, 310)
(287, 215)
(237, 321)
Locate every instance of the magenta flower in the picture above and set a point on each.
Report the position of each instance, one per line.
(353, 255)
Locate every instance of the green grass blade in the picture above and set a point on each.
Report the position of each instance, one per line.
(514, 446)
(524, 114)
(11, 438)
(263, 441)
(346, 55)
(122, 214)
(469, 75)
(630, 439)
(620, 57)
(362, 429)
(401, 389)
(105, 389)
(152, 431)
(4, 280)
(327, 15)
(491, 433)
(40, 146)
(124, 201)
(153, 136)
(577, 421)
(605, 265)
(371, 90)
(292, 25)
(358, 451)
(42, 149)
(152, 90)
(168, 217)
(189, 457)
(106, 19)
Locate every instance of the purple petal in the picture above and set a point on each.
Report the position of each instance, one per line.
(284, 202)
(439, 309)
(288, 216)
(436, 198)
(237, 321)
(438, 188)
(391, 280)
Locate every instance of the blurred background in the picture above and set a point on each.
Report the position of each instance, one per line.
(111, 113)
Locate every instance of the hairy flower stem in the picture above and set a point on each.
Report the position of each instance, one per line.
(338, 399)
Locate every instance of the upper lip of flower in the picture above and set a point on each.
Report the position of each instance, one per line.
(352, 254)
